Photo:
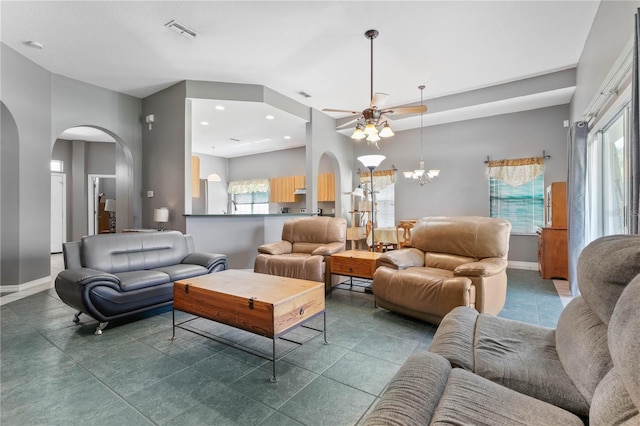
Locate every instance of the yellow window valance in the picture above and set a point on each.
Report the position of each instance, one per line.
(517, 171)
(381, 178)
(246, 186)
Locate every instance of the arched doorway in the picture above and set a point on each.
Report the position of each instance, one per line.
(87, 157)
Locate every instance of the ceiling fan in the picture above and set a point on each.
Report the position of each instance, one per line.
(375, 115)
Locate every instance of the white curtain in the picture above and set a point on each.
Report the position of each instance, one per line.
(246, 186)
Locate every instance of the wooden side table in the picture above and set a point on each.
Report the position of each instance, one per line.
(354, 263)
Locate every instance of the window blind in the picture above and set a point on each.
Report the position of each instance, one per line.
(521, 205)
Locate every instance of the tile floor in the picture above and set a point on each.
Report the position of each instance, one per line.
(55, 372)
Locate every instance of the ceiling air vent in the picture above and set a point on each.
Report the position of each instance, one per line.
(181, 29)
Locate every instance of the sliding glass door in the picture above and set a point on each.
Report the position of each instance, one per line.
(608, 178)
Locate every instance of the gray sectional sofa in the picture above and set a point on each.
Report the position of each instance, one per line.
(110, 276)
(481, 369)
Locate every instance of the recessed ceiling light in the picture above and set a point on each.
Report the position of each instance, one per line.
(287, 137)
(219, 107)
(269, 117)
(204, 123)
(34, 44)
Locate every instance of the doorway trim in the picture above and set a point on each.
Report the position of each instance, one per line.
(92, 202)
(64, 204)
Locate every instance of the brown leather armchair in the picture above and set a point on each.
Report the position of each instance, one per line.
(453, 261)
(305, 249)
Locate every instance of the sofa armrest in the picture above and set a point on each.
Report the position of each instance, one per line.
(483, 268)
(329, 249)
(278, 247)
(455, 336)
(84, 276)
(212, 261)
(402, 259)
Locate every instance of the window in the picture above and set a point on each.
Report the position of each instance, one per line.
(522, 205)
(607, 191)
(251, 203)
(384, 185)
(56, 166)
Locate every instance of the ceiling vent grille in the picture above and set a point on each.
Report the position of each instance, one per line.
(181, 29)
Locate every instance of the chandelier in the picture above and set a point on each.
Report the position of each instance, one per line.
(420, 175)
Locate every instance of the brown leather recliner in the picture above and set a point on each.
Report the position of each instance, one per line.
(454, 261)
(305, 249)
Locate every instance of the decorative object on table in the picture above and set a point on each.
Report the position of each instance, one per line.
(371, 162)
(110, 206)
(420, 175)
(161, 216)
(375, 116)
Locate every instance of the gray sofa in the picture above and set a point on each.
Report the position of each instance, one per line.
(486, 370)
(110, 276)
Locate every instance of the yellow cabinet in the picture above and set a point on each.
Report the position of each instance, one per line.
(281, 189)
(326, 187)
(195, 176)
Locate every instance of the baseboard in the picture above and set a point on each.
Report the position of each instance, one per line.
(25, 286)
(529, 266)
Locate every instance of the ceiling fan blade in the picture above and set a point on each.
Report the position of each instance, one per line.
(378, 100)
(343, 125)
(406, 110)
(348, 111)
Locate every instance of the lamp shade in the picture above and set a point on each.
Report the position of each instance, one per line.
(371, 161)
(110, 205)
(161, 215)
(358, 192)
(213, 177)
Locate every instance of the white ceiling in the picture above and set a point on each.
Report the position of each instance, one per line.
(313, 46)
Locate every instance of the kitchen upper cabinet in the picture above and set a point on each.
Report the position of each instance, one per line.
(281, 189)
(326, 187)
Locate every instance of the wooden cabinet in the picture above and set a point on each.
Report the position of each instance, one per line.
(552, 243)
(195, 176)
(326, 187)
(281, 189)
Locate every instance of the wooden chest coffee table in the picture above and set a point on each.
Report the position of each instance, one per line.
(262, 304)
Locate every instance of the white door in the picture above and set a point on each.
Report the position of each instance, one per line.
(58, 212)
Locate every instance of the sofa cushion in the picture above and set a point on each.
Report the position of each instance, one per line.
(293, 265)
(413, 393)
(182, 271)
(133, 251)
(446, 261)
(582, 346)
(475, 236)
(523, 357)
(472, 400)
(605, 267)
(135, 280)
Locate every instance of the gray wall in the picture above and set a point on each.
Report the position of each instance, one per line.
(459, 151)
(611, 30)
(26, 92)
(43, 105)
(163, 170)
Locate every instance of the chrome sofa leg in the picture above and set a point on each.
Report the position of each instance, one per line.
(76, 317)
(101, 327)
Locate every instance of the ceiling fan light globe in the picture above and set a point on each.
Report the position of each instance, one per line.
(358, 134)
(386, 132)
(370, 129)
(373, 138)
